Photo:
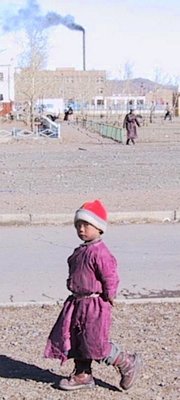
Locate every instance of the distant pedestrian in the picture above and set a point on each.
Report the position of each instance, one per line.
(81, 331)
(68, 112)
(130, 123)
(168, 112)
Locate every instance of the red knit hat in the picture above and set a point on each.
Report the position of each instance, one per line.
(93, 212)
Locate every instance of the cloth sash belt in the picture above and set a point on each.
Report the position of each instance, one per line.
(85, 296)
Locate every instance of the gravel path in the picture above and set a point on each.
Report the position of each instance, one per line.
(56, 176)
(151, 329)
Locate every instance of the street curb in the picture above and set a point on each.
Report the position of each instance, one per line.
(114, 217)
(141, 301)
(143, 216)
(14, 219)
(51, 219)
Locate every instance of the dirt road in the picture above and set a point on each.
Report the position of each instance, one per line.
(56, 176)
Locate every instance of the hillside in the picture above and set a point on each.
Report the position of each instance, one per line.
(135, 86)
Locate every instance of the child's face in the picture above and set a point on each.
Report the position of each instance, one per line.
(86, 231)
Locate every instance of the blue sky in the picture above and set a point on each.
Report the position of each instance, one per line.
(143, 33)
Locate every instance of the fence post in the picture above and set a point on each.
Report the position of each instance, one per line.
(114, 133)
(36, 130)
(59, 131)
(119, 136)
(14, 133)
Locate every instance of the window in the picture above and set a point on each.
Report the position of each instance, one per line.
(131, 103)
(99, 79)
(69, 80)
(100, 102)
(1, 76)
(140, 102)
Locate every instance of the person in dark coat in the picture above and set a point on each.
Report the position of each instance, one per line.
(68, 111)
(66, 115)
(130, 123)
(168, 113)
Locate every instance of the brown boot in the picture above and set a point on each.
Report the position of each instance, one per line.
(129, 367)
(80, 381)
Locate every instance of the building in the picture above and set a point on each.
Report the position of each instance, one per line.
(89, 89)
(119, 102)
(73, 86)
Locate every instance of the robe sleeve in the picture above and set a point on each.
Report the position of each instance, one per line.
(137, 122)
(106, 268)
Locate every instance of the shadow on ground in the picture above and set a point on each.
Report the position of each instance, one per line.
(15, 369)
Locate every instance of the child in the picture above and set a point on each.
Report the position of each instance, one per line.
(82, 329)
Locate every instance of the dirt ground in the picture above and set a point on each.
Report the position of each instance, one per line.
(58, 175)
(150, 329)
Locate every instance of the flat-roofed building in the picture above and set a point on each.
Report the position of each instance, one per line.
(66, 83)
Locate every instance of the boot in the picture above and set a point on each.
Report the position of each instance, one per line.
(128, 365)
(81, 377)
(80, 381)
(127, 141)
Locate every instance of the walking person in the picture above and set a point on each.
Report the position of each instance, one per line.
(81, 331)
(167, 112)
(130, 123)
(68, 112)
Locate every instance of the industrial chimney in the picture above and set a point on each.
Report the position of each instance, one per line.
(84, 50)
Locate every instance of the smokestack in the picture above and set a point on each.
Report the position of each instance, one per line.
(30, 17)
(84, 50)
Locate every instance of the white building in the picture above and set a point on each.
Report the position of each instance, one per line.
(6, 83)
(118, 102)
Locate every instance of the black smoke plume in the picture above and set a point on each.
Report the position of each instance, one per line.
(30, 17)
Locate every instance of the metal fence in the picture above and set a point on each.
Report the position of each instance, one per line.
(47, 129)
(105, 130)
